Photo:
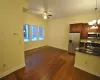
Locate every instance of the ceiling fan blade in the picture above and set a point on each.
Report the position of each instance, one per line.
(49, 15)
(37, 12)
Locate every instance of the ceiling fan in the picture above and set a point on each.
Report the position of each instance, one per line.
(43, 10)
(46, 15)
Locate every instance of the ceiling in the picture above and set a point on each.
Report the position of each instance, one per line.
(61, 8)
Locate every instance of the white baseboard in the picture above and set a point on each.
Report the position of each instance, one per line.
(87, 70)
(33, 48)
(11, 70)
(58, 47)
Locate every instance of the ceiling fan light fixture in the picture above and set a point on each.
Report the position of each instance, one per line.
(45, 17)
(45, 14)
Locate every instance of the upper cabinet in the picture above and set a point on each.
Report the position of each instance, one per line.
(98, 29)
(83, 28)
(84, 31)
(75, 27)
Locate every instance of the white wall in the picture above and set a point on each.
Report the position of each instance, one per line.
(58, 29)
(12, 44)
(33, 19)
(11, 36)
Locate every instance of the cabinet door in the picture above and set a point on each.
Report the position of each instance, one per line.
(87, 62)
(81, 59)
(98, 30)
(93, 64)
(75, 27)
(84, 32)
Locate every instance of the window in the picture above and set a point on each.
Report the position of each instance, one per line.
(34, 33)
(41, 33)
(26, 33)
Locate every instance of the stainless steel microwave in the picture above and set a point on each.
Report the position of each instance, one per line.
(98, 36)
(92, 35)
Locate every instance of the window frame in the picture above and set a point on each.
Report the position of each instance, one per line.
(34, 32)
(40, 33)
(27, 34)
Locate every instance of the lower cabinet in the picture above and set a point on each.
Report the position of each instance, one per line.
(88, 63)
(94, 65)
(81, 60)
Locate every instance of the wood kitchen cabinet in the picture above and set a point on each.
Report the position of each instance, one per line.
(83, 28)
(98, 30)
(80, 27)
(75, 27)
(84, 31)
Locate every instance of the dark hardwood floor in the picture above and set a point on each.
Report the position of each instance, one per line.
(49, 63)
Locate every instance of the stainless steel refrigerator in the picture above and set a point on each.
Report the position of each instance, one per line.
(74, 40)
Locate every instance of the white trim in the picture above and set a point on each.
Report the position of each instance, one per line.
(87, 70)
(34, 48)
(11, 70)
(58, 48)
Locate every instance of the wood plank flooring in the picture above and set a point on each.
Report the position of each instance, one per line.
(48, 63)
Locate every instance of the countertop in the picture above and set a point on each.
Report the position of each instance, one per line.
(87, 51)
(88, 63)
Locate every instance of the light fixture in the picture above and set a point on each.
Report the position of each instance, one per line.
(94, 27)
(99, 21)
(45, 15)
(94, 23)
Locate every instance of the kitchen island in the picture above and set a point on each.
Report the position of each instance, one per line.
(87, 62)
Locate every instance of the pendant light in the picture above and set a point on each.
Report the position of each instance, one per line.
(94, 23)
